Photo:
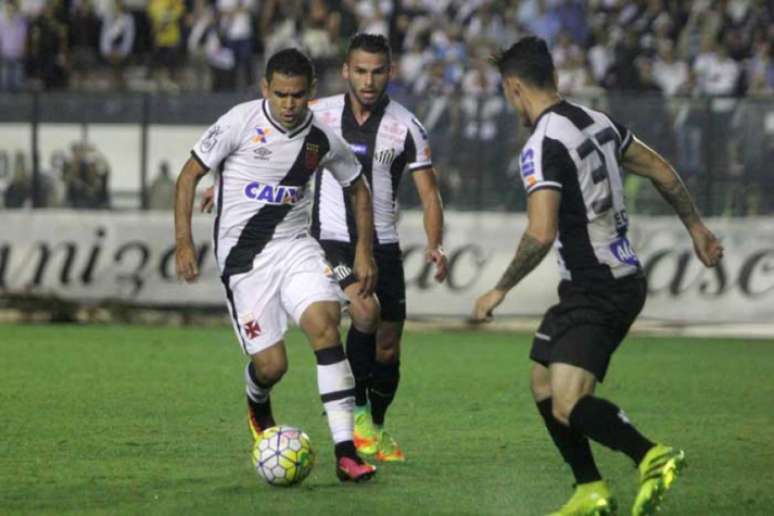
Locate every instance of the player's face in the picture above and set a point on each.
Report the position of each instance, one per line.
(288, 96)
(367, 75)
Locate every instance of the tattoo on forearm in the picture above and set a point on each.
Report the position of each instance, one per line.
(677, 195)
(530, 253)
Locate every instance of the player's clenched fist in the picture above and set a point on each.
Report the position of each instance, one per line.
(365, 272)
(185, 262)
(482, 311)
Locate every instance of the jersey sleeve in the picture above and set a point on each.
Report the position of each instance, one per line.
(418, 155)
(626, 136)
(340, 161)
(543, 164)
(220, 140)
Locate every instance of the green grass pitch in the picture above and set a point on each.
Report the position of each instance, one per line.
(146, 420)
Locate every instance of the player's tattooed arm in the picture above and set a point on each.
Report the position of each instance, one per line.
(644, 161)
(530, 253)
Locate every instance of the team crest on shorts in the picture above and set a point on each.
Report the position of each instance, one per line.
(250, 326)
(312, 155)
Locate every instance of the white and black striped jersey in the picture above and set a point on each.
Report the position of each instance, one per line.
(578, 151)
(390, 142)
(264, 172)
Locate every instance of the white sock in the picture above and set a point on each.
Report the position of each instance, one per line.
(337, 391)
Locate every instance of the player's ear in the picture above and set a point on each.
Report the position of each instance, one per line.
(345, 70)
(265, 88)
(393, 71)
(312, 89)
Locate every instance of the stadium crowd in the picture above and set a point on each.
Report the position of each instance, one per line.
(669, 46)
(687, 76)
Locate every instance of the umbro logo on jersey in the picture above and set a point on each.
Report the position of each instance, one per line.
(273, 194)
(262, 153)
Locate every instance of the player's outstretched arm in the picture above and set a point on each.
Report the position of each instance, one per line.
(542, 227)
(644, 161)
(185, 189)
(365, 266)
(427, 186)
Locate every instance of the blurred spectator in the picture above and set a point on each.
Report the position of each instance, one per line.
(86, 178)
(703, 24)
(161, 192)
(760, 69)
(545, 23)
(48, 53)
(671, 75)
(374, 15)
(13, 42)
(202, 21)
(165, 17)
(572, 16)
(84, 42)
(716, 73)
(236, 19)
(19, 189)
(116, 41)
(320, 33)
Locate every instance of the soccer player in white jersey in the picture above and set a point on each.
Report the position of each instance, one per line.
(266, 152)
(571, 167)
(389, 142)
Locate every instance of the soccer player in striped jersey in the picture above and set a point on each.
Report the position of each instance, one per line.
(266, 152)
(389, 142)
(571, 168)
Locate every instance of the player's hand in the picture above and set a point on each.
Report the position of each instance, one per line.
(707, 246)
(438, 257)
(185, 262)
(365, 272)
(208, 200)
(482, 312)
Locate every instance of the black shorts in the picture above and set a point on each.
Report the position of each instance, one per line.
(391, 283)
(589, 323)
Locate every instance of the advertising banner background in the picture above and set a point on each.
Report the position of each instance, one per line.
(129, 257)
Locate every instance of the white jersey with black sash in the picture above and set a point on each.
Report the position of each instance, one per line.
(389, 143)
(264, 170)
(578, 151)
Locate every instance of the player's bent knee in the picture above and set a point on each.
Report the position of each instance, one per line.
(365, 314)
(272, 372)
(561, 407)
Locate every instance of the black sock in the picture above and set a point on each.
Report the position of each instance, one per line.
(347, 449)
(384, 384)
(361, 352)
(573, 446)
(607, 424)
(261, 409)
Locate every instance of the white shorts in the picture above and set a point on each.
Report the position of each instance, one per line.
(287, 277)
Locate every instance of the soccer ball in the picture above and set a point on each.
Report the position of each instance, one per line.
(283, 456)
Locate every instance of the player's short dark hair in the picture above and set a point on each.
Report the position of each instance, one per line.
(528, 59)
(371, 43)
(291, 62)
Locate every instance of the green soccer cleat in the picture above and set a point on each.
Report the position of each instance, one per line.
(364, 434)
(591, 499)
(388, 449)
(658, 471)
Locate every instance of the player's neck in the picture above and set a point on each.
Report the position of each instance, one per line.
(360, 111)
(540, 102)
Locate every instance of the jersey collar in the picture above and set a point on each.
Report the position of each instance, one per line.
(549, 109)
(292, 133)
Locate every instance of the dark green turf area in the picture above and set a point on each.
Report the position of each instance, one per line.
(145, 420)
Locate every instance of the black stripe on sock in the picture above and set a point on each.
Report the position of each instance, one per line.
(337, 395)
(330, 356)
